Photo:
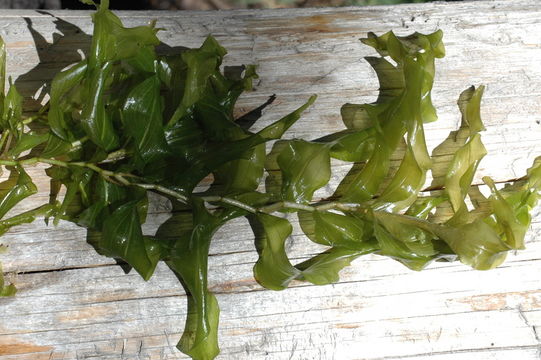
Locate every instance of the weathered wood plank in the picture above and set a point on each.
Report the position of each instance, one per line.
(92, 310)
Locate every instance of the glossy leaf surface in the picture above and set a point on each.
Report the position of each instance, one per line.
(127, 121)
(18, 187)
(273, 269)
(305, 168)
(123, 238)
(189, 259)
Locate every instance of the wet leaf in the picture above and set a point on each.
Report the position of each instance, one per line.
(305, 168)
(273, 269)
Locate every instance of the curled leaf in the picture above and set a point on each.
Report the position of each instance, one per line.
(273, 269)
(305, 168)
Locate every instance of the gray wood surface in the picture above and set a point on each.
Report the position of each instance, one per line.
(74, 304)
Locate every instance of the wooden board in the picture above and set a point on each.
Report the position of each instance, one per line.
(74, 304)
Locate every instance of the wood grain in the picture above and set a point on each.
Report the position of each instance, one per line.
(74, 304)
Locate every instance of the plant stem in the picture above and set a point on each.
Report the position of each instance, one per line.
(3, 138)
(122, 179)
(180, 197)
(79, 143)
(230, 201)
(6, 134)
(115, 156)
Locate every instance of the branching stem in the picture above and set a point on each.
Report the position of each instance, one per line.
(123, 179)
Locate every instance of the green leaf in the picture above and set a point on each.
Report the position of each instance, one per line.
(5, 291)
(28, 141)
(123, 238)
(476, 244)
(469, 103)
(362, 117)
(214, 108)
(201, 64)
(61, 101)
(277, 129)
(111, 41)
(398, 47)
(185, 138)
(273, 269)
(466, 160)
(110, 193)
(399, 250)
(511, 207)
(142, 119)
(243, 174)
(405, 185)
(77, 196)
(12, 115)
(399, 111)
(56, 147)
(337, 230)
(324, 268)
(95, 120)
(189, 259)
(29, 216)
(422, 207)
(93, 216)
(305, 168)
(208, 157)
(352, 145)
(18, 187)
(462, 169)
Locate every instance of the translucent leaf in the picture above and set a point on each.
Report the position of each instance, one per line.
(28, 141)
(356, 146)
(466, 159)
(142, 119)
(93, 216)
(273, 269)
(61, 106)
(305, 168)
(328, 228)
(277, 129)
(402, 110)
(12, 115)
(462, 169)
(405, 185)
(18, 187)
(399, 250)
(208, 157)
(55, 147)
(111, 42)
(243, 174)
(469, 104)
(476, 244)
(512, 205)
(189, 259)
(77, 195)
(123, 238)
(324, 268)
(96, 121)
(201, 63)
(26, 217)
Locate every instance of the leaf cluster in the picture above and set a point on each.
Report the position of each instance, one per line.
(126, 121)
